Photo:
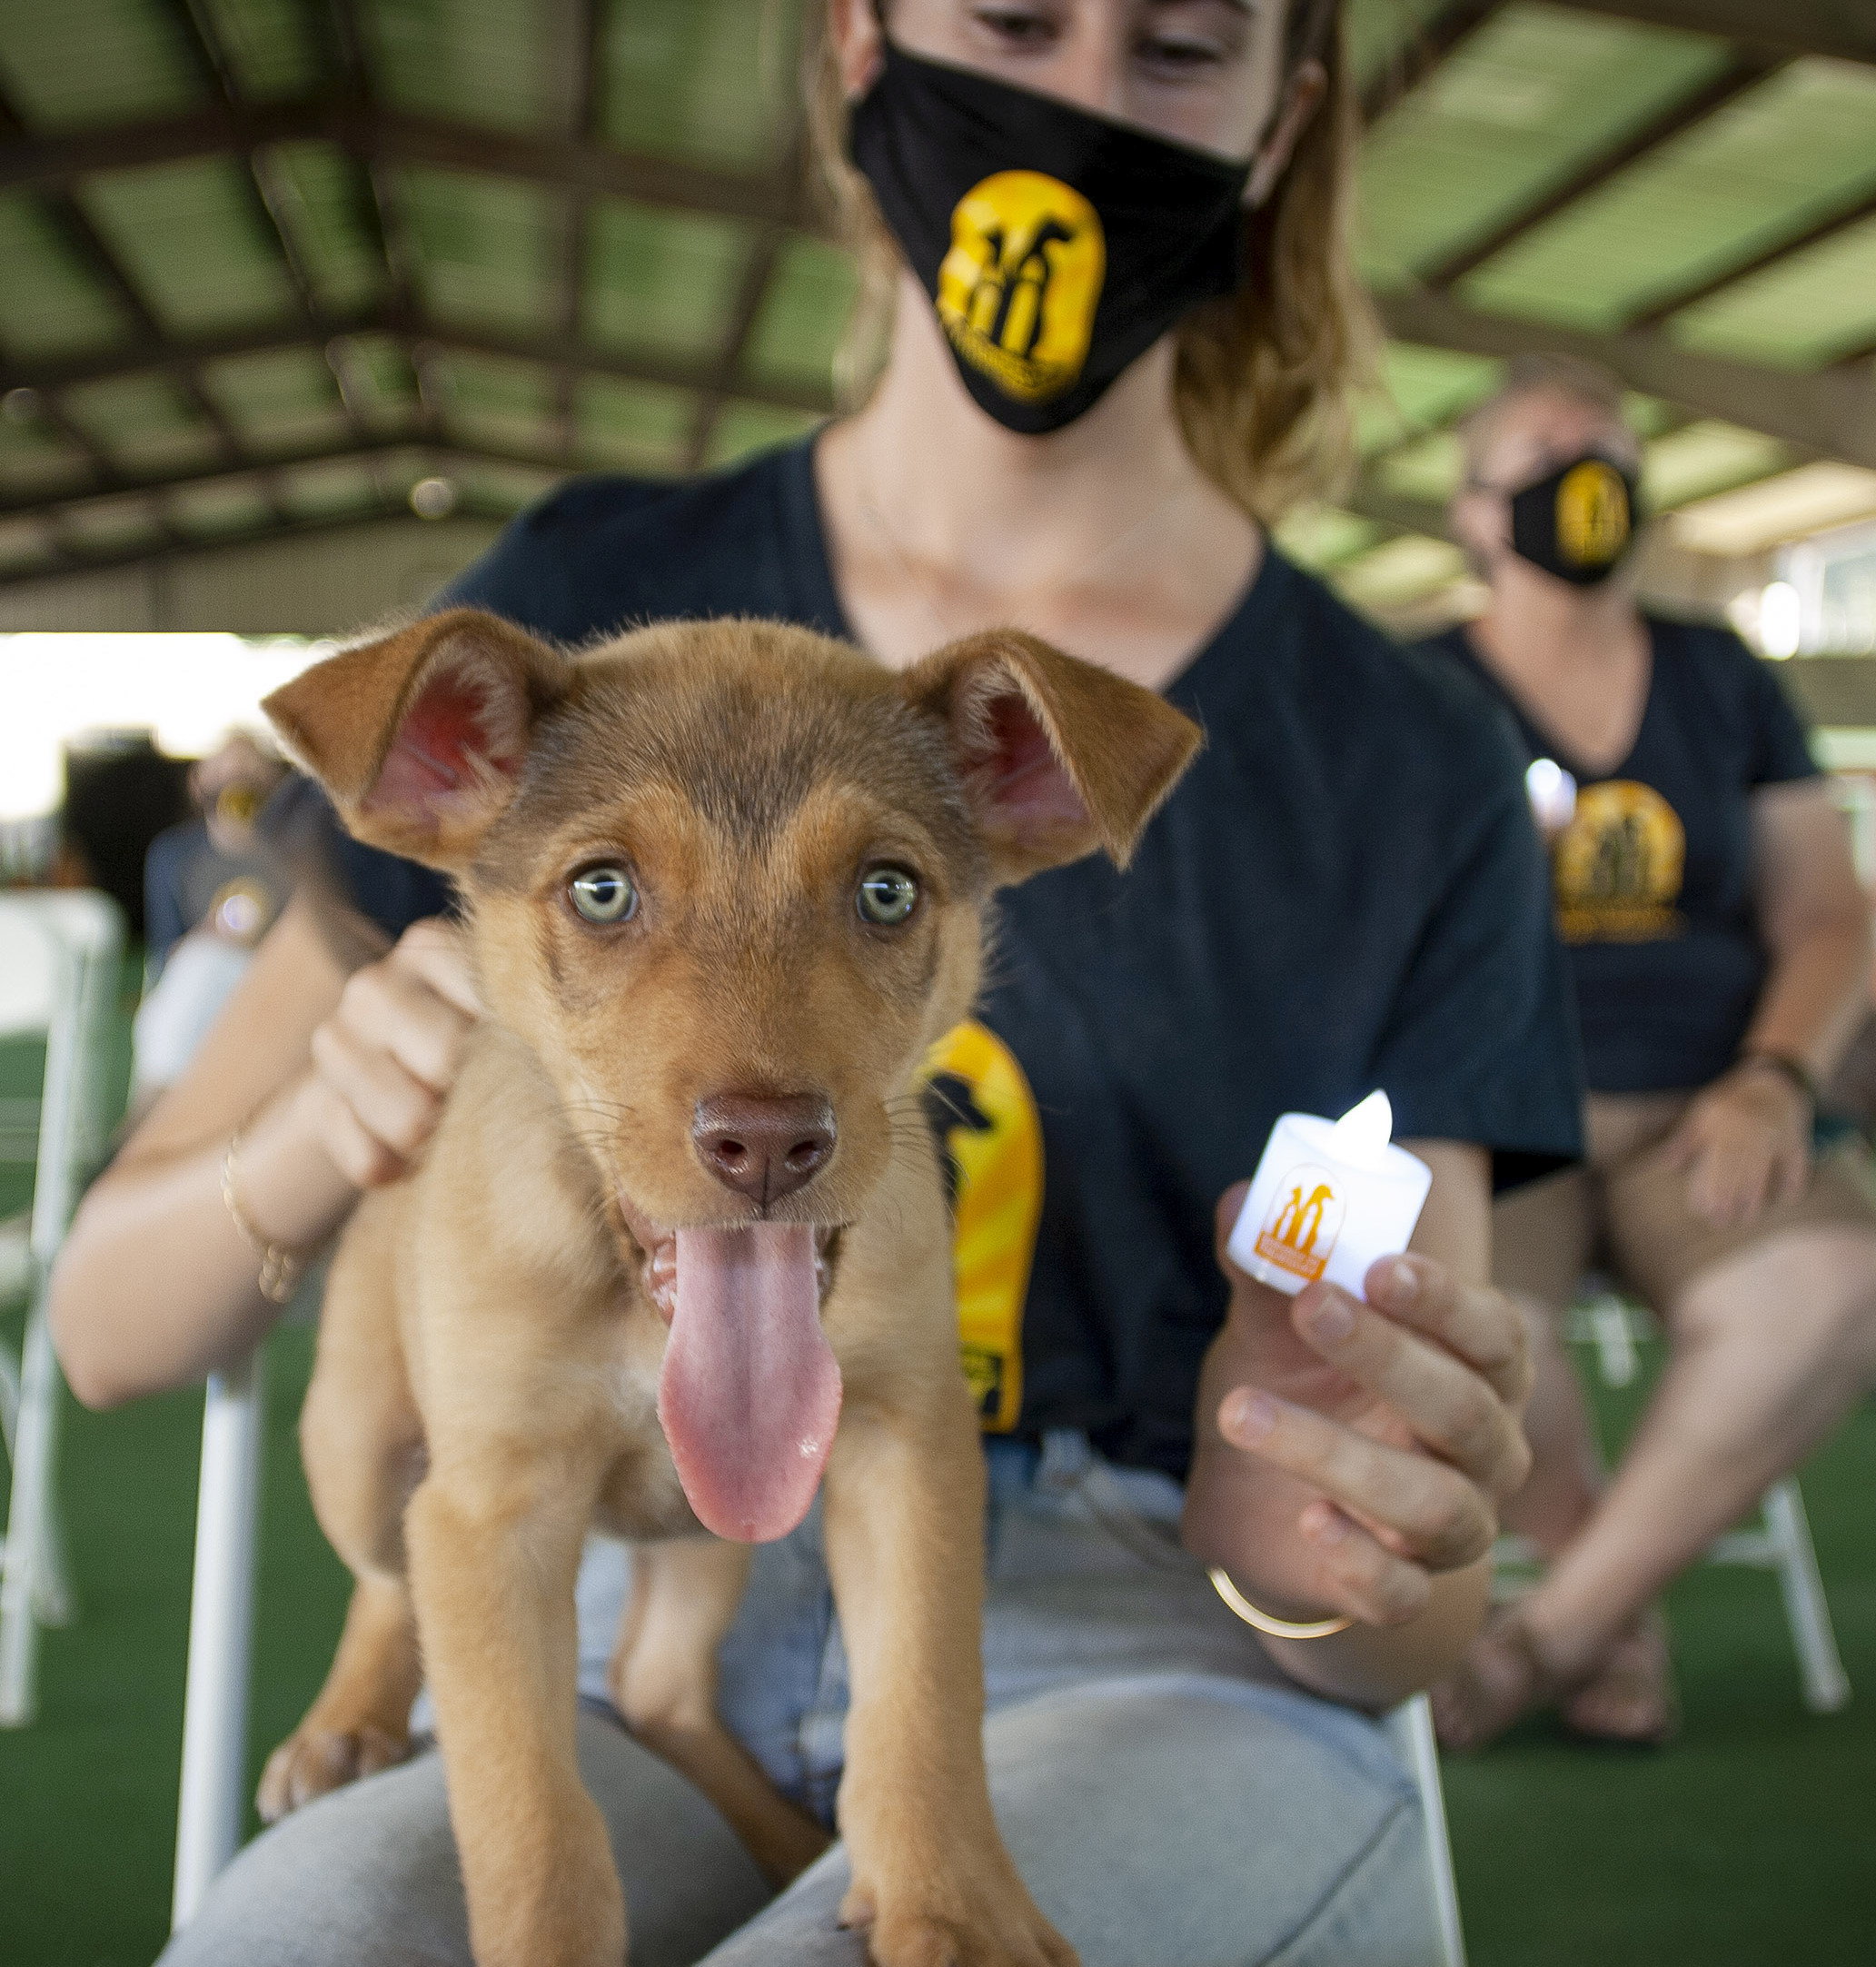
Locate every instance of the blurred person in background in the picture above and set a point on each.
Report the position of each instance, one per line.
(1720, 945)
(212, 886)
(1343, 892)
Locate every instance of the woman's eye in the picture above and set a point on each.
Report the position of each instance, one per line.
(604, 895)
(886, 896)
(1018, 26)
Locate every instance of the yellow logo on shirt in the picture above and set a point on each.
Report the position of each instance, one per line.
(1593, 520)
(989, 1138)
(1617, 866)
(1017, 291)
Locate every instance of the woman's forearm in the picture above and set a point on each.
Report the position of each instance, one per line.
(1817, 994)
(157, 1285)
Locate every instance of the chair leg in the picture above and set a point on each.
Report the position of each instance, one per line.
(22, 1569)
(1826, 1685)
(221, 1623)
(1410, 1729)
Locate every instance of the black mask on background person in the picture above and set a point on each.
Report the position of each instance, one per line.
(1057, 245)
(1579, 523)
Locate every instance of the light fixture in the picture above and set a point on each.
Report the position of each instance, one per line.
(1780, 621)
(433, 498)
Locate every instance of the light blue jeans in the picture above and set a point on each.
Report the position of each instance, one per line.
(1170, 1802)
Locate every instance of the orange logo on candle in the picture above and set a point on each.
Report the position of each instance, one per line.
(1305, 1220)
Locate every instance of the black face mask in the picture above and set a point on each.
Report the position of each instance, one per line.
(1056, 245)
(1579, 523)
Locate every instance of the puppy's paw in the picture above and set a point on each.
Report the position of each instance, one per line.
(314, 1759)
(979, 1925)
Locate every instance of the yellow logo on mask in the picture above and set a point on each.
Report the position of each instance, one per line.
(1592, 514)
(1017, 290)
(1618, 866)
(989, 1141)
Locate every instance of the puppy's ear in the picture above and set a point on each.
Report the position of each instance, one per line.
(419, 737)
(1058, 756)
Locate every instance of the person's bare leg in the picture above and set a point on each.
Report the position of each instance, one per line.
(1769, 1350)
(1566, 1478)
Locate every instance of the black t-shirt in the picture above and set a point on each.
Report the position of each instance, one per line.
(1344, 892)
(1652, 875)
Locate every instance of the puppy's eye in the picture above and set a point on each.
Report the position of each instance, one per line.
(604, 895)
(886, 896)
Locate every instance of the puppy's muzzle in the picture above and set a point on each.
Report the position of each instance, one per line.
(764, 1146)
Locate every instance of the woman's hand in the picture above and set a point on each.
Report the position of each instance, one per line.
(1350, 1452)
(386, 1057)
(1744, 1144)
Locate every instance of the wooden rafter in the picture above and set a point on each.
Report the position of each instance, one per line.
(1786, 249)
(1844, 29)
(1421, 53)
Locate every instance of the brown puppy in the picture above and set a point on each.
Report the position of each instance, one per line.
(678, 1248)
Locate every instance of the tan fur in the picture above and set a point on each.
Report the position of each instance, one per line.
(487, 1377)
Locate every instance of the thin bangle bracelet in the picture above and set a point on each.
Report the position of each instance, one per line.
(1276, 1628)
(281, 1269)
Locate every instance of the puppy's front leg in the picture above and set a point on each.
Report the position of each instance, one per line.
(905, 1512)
(495, 1535)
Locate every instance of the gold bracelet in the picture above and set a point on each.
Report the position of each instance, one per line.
(1276, 1628)
(281, 1269)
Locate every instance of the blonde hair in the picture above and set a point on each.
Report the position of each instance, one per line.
(1264, 377)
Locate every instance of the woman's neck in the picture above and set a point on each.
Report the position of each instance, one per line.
(1103, 536)
(1577, 658)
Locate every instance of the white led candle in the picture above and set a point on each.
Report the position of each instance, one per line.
(1328, 1199)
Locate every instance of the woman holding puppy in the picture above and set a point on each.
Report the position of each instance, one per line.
(1104, 246)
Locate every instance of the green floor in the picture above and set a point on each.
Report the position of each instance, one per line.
(1751, 1842)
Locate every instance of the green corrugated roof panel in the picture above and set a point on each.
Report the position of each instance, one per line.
(235, 505)
(1322, 536)
(1806, 311)
(1430, 468)
(273, 45)
(711, 80)
(633, 426)
(324, 200)
(488, 247)
(188, 237)
(744, 428)
(1763, 168)
(497, 401)
(803, 314)
(660, 280)
(1381, 30)
(37, 462)
(502, 488)
(284, 400)
(1400, 571)
(377, 376)
(1704, 458)
(142, 422)
(102, 61)
(50, 304)
(1517, 108)
(474, 61)
(329, 491)
(121, 525)
(1422, 388)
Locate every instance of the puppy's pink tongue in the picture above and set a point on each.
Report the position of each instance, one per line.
(749, 1393)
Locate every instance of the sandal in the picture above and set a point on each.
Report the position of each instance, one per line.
(1500, 1678)
(1632, 1701)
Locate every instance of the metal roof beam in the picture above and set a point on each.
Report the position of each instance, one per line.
(378, 134)
(1416, 58)
(1746, 71)
(1845, 29)
(1831, 412)
(157, 354)
(1812, 235)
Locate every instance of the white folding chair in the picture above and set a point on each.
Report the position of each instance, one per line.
(221, 1624)
(1615, 1326)
(1410, 1730)
(60, 955)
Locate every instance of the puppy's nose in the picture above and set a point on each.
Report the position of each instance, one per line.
(761, 1146)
